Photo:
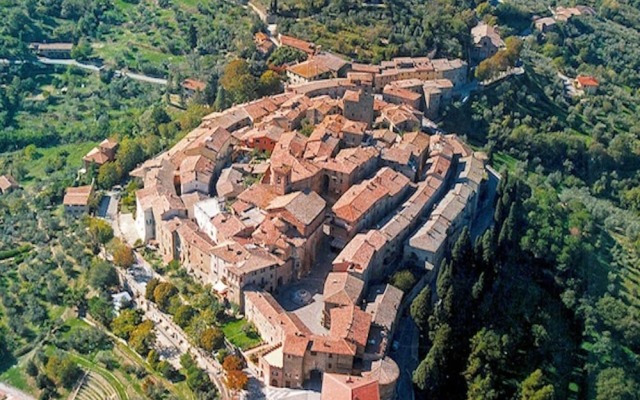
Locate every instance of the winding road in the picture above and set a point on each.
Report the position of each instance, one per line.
(88, 67)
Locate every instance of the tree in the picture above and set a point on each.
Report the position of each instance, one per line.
(101, 310)
(535, 387)
(183, 316)
(238, 81)
(269, 83)
(82, 50)
(102, 275)
(212, 339)
(232, 363)
(163, 293)
(108, 175)
(125, 323)
(198, 380)
(421, 309)
(484, 363)
(62, 370)
(221, 102)
(151, 286)
(99, 230)
(123, 255)
(285, 55)
(613, 384)
(403, 280)
(130, 154)
(142, 338)
(236, 380)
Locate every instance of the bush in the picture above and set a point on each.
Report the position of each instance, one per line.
(403, 280)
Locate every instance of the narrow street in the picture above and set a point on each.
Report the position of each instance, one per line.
(406, 356)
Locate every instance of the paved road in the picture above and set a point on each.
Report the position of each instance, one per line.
(88, 67)
(13, 393)
(406, 356)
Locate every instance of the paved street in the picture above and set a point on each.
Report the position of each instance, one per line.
(406, 356)
(313, 285)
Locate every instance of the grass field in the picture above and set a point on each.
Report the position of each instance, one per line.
(501, 160)
(75, 153)
(233, 331)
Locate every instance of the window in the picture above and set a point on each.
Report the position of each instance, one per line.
(330, 355)
(313, 353)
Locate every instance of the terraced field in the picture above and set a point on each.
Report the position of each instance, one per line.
(95, 387)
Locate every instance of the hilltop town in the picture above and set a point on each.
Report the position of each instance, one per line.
(335, 178)
(284, 199)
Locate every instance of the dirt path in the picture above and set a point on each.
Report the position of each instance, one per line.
(13, 393)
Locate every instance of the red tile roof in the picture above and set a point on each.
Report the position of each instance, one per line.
(193, 84)
(588, 81)
(347, 387)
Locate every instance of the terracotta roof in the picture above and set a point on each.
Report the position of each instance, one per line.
(373, 69)
(360, 198)
(331, 61)
(230, 183)
(354, 127)
(266, 305)
(260, 195)
(97, 156)
(348, 387)
(588, 81)
(296, 344)
(401, 93)
(384, 305)
(417, 142)
(385, 371)
(260, 108)
(309, 69)
(352, 95)
(483, 30)
(256, 259)
(348, 160)
(398, 114)
(350, 323)
(396, 155)
(291, 324)
(360, 251)
(198, 168)
(261, 36)
(227, 226)
(326, 344)
(190, 199)
(230, 252)
(7, 182)
(77, 196)
(192, 235)
(193, 84)
(296, 43)
(108, 144)
(342, 288)
(304, 207)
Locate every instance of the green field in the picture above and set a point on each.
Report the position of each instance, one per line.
(233, 331)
